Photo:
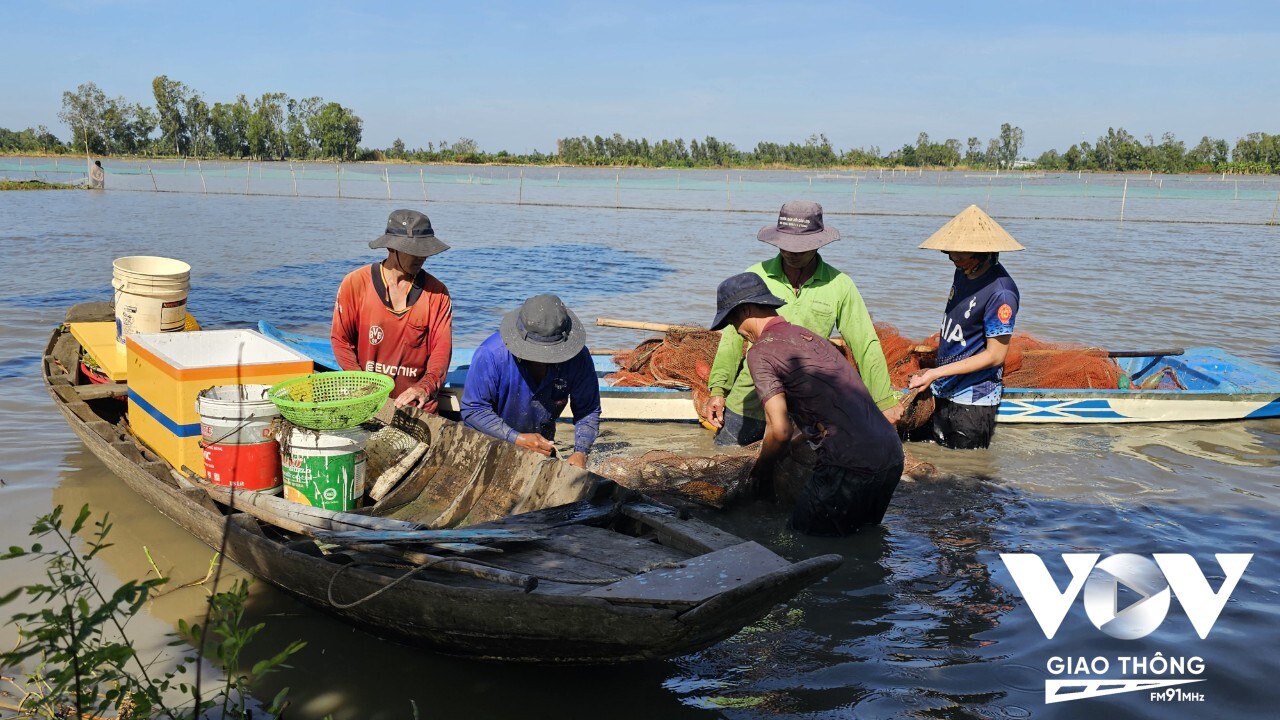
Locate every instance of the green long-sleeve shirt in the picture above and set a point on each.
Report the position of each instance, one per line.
(828, 300)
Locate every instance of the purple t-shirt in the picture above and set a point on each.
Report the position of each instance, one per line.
(825, 397)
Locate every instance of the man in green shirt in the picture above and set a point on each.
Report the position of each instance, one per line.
(820, 298)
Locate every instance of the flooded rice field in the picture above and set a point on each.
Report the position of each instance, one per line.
(925, 618)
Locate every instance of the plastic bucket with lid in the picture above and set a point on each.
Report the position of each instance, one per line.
(236, 414)
(239, 448)
(254, 468)
(324, 469)
(151, 294)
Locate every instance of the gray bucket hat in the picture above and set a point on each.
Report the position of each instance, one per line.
(799, 228)
(409, 231)
(543, 330)
(741, 289)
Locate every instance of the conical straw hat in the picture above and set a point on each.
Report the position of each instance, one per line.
(971, 231)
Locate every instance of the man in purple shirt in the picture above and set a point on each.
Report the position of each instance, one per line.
(522, 377)
(799, 374)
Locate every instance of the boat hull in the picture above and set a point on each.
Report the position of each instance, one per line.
(554, 621)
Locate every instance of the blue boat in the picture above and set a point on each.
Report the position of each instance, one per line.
(1218, 386)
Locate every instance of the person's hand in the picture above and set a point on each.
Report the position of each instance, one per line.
(715, 410)
(921, 380)
(537, 443)
(413, 396)
(577, 459)
(893, 414)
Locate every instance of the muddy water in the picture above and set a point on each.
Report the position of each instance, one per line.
(923, 620)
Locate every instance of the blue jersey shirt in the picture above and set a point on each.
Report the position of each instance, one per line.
(976, 310)
(498, 398)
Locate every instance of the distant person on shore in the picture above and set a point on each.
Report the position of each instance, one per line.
(97, 176)
(799, 374)
(818, 297)
(394, 318)
(977, 326)
(522, 377)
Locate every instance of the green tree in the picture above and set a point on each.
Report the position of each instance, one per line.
(171, 96)
(337, 131)
(82, 112)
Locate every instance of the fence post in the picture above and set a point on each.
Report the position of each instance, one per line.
(520, 191)
(248, 172)
(337, 170)
(386, 176)
(854, 209)
(987, 204)
(1124, 194)
(200, 169)
(617, 182)
(423, 179)
(728, 199)
(295, 179)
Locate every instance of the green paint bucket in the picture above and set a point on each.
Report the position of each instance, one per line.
(324, 469)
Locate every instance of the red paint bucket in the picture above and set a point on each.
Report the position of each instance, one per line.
(254, 468)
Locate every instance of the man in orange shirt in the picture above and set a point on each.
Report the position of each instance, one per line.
(394, 318)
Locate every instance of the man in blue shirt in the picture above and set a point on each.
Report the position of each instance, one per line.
(977, 326)
(522, 377)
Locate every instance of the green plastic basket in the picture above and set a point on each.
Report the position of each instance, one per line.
(331, 400)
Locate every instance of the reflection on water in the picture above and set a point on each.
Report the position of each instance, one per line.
(921, 621)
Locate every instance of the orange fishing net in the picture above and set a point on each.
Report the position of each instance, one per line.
(680, 358)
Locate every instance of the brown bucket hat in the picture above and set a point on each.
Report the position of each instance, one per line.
(410, 232)
(799, 228)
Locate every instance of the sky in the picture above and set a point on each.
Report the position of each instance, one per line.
(518, 75)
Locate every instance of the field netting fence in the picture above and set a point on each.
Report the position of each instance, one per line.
(1234, 199)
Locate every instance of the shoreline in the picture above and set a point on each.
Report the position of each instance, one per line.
(726, 168)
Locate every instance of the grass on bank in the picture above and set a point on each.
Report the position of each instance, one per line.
(36, 185)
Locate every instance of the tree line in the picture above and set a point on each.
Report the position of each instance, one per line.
(182, 124)
(275, 126)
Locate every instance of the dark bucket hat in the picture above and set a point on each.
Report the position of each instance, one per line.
(799, 228)
(741, 289)
(543, 330)
(409, 231)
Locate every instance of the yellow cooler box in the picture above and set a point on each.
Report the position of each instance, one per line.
(168, 370)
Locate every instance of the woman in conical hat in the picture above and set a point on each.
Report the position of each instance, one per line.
(976, 328)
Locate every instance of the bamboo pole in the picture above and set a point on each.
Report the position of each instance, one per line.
(293, 175)
(1274, 210)
(855, 196)
(153, 178)
(337, 171)
(422, 178)
(386, 176)
(617, 188)
(651, 327)
(248, 171)
(200, 169)
(520, 191)
(1124, 195)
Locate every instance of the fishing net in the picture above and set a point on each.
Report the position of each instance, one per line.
(683, 358)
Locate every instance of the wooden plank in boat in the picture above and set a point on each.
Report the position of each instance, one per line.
(97, 392)
(690, 535)
(429, 536)
(698, 579)
(628, 554)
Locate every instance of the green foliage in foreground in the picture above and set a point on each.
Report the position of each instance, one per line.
(84, 662)
(35, 185)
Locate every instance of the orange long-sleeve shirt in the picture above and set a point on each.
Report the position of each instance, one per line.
(413, 346)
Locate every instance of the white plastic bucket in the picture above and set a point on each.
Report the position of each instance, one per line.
(325, 468)
(236, 414)
(151, 294)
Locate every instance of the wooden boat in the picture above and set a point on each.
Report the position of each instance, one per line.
(1219, 386)
(574, 568)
